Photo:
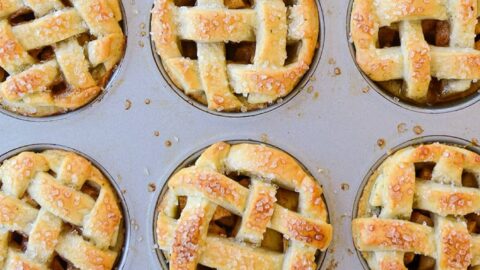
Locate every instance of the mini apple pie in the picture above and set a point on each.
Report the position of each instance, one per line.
(235, 55)
(227, 212)
(57, 211)
(57, 56)
(424, 52)
(420, 210)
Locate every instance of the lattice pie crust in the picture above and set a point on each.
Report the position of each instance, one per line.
(58, 212)
(419, 210)
(244, 57)
(234, 222)
(56, 56)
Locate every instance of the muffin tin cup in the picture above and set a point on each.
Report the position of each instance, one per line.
(111, 82)
(189, 161)
(449, 140)
(330, 125)
(270, 107)
(452, 106)
(122, 257)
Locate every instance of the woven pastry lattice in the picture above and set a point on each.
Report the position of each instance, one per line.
(56, 209)
(54, 57)
(431, 214)
(415, 61)
(212, 24)
(192, 239)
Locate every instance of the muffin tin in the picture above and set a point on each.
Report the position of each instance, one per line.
(190, 161)
(140, 131)
(124, 232)
(361, 210)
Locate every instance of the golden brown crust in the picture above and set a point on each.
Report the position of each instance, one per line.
(31, 87)
(415, 61)
(38, 205)
(207, 188)
(382, 230)
(372, 234)
(271, 24)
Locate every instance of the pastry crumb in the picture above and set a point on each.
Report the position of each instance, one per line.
(168, 143)
(475, 142)
(402, 128)
(313, 78)
(156, 133)
(128, 104)
(418, 130)
(152, 187)
(366, 89)
(345, 186)
(316, 95)
(332, 61)
(337, 71)
(264, 137)
(381, 143)
(310, 89)
(147, 101)
(332, 264)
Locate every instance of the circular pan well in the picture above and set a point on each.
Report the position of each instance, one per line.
(275, 105)
(449, 140)
(189, 161)
(124, 236)
(449, 106)
(110, 81)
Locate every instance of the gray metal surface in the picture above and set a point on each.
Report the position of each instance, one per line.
(331, 126)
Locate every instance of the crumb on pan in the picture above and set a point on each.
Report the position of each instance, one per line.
(418, 129)
(381, 143)
(128, 104)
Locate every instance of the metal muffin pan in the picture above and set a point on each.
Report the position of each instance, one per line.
(331, 126)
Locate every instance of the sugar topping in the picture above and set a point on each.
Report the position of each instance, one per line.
(186, 240)
(456, 246)
(456, 201)
(305, 231)
(262, 209)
